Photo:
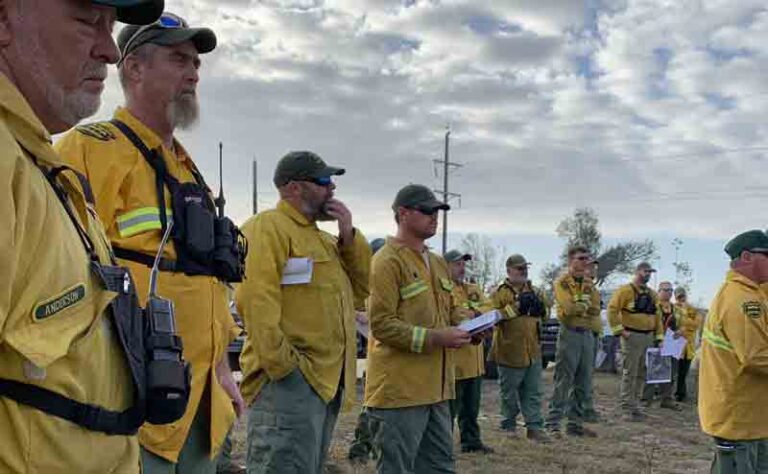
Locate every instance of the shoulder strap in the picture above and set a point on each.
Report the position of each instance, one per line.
(88, 416)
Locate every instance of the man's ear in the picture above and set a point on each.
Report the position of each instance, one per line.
(7, 11)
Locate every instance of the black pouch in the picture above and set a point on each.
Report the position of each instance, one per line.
(530, 304)
(230, 252)
(644, 304)
(194, 222)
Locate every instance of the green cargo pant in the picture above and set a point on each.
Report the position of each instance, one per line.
(573, 367)
(521, 387)
(414, 440)
(195, 454)
(466, 407)
(633, 351)
(290, 427)
(740, 457)
(362, 445)
(584, 401)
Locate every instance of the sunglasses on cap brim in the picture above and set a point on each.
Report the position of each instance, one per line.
(167, 21)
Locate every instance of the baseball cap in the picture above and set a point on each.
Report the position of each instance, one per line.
(456, 255)
(168, 30)
(750, 241)
(516, 260)
(644, 266)
(302, 166)
(680, 291)
(417, 196)
(135, 12)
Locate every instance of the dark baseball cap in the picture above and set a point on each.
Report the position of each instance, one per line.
(168, 30)
(749, 241)
(456, 255)
(135, 12)
(644, 266)
(303, 166)
(517, 260)
(417, 196)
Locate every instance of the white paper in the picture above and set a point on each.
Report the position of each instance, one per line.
(658, 368)
(673, 347)
(481, 323)
(297, 271)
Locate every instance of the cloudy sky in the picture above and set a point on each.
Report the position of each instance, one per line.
(650, 111)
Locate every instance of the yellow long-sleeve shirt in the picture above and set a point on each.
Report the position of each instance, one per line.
(309, 326)
(578, 302)
(408, 298)
(622, 314)
(516, 341)
(733, 375)
(469, 301)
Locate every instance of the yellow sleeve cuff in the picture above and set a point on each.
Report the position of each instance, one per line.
(617, 329)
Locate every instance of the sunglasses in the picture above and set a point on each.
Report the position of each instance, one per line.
(583, 258)
(167, 21)
(323, 181)
(427, 211)
(665, 289)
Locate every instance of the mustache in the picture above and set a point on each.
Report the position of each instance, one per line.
(95, 71)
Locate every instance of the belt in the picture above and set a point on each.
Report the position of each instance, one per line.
(650, 331)
(578, 329)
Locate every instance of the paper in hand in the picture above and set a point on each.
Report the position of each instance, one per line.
(481, 323)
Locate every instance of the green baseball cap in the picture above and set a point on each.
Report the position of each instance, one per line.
(456, 255)
(417, 196)
(517, 260)
(680, 291)
(645, 266)
(750, 241)
(135, 12)
(168, 30)
(303, 166)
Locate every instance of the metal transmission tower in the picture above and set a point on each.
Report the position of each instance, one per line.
(255, 188)
(447, 195)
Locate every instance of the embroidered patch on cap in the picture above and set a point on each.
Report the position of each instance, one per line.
(59, 303)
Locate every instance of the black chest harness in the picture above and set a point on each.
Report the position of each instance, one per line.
(206, 244)
(644, 302)
(152, 350)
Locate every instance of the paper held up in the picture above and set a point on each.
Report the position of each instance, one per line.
(658, 367)
(673, 347)
(481, 323)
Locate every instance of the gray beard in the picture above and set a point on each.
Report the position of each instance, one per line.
(184, 112)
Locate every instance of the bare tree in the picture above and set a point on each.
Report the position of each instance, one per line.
(485, 267)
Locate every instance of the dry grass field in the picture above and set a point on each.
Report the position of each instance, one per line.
(668, 442)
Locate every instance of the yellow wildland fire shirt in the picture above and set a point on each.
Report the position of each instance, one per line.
(126, 201)
(578, 302)
(407, 300)
(733, 375)
(55, 331)
(310, 326)
(689, 322)
(516, 341)
(622, 315)
(468, 302)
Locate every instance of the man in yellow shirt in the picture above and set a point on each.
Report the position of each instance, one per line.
(470, 302)
(516, 348)
(689, 325)
(633, 315)
(410, 376)
(58, 319)
(578, 306)
(733, 375)
(142, 177)
(298, 304)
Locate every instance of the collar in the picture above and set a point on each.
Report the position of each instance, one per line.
(24, 125)
(737, 277)
(148, 136)
(287, 208)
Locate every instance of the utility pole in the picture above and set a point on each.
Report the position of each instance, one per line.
(255, 188)
(447, 195)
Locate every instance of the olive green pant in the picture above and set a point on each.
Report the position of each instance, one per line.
(414, 440)
(195, 454)
(573, 368)
(520, 387)
(224, 463)
(740, 457)
(584, 401)
(290, 427)
(466, 407)
(633, 349)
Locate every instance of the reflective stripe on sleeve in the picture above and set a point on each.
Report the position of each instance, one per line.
(418, 338)
(717, 341)
(138, 221)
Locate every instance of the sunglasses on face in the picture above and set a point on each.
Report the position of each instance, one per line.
(323, 181)
(583, 258)
(427, 211)
(666, 289)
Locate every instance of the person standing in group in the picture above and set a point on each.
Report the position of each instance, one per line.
(143, 179)
(410, 377)
(58, 316)
(689, 325)
(298, 304)
(470, 302)
(578, 305)
(733, 375)
(516, 348)
(632, 314)
(584, 402)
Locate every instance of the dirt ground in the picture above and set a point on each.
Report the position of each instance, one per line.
(668, 442)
